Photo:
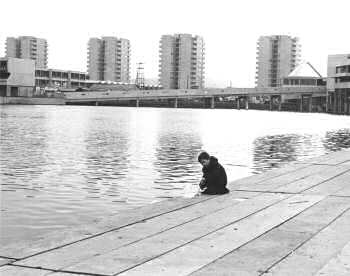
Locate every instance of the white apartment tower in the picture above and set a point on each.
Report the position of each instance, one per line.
(109, 59)
(28, 47)
(277, 56)
(181, 62)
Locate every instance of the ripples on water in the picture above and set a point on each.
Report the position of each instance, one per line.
(69, 165)
(276, 150)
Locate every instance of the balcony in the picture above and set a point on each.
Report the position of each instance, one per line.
(340, 85)
(4, 75)
(342, 69)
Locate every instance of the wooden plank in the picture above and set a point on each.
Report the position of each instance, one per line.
(343, 192)
(146, 249)
(249, 260)
(260, 254)
(256, 178)
(346, 163)
(60, 238)
(207, 249)
(275, 183)
(67, 274)
(8, 270)
(339, 265)
(89, 248)
(313, 180)
(27, 271)
(332, 186)
(338, 157)
(164, 253)
(4, 261)
(70, 274)
(314, 254)
(334, 158)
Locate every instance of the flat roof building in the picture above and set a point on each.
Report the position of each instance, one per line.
(277, 56)
(181, 62)
(56, 78)
(20, 77)
(28, 47)
(334, 75)
(109, 59)
(16, 77)
(338, 83)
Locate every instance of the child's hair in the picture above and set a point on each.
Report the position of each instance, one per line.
(203, 155)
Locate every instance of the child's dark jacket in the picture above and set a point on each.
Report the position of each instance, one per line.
(215, 178)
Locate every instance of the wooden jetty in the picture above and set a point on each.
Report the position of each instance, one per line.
(289, 221)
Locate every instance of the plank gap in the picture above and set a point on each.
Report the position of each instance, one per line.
(324, 181)
(57, 270)
(208, 234)
(256, 238)
(267, 192)
(303, 243)
(117, 228)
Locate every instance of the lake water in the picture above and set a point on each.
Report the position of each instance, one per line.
(70, 165)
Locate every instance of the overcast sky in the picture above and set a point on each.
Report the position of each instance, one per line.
(230, 30)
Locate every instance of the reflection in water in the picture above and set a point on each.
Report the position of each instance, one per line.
(24, 157)
(335, 140)
(142, 130)
(70, 165)
(274, 150)
(177, 163)
(106, 159)
(176, 155)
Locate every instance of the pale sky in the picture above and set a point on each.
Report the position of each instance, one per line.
(230, 30)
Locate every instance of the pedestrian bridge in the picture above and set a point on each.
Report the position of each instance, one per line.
(305, 98)
(103, 96)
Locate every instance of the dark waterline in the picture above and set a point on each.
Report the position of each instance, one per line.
(68, 165)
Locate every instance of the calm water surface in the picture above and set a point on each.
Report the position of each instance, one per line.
(69, 165)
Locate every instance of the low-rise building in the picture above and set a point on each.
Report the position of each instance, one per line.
(17, 77)
(21, 78)
(304, 75)
(338, 83)
(60, 78)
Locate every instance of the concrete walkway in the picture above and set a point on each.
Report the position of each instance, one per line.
(289, 221)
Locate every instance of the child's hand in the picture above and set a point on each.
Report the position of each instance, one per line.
(202, 183)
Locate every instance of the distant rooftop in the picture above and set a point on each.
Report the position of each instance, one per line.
(305, 69)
